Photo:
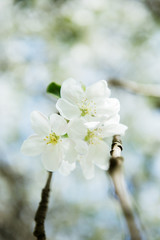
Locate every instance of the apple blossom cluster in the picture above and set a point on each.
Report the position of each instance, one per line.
(87, 117)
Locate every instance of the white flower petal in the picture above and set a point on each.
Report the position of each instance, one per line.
(52, 157)
(109, 130)
(114, 118)
(92, 125)
(81, 147)
(40, 123)
(32, 146)
(87, 168)
(89, 118)
(99, 89)
(71, 90)
(70, 153)
(77, 129)
(58, 124)
(107, 106)
(111, 119)
(99, 154)
(67, 109)
(66, 168)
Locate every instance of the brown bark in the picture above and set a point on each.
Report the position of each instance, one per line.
(39, 231)
(117, 176)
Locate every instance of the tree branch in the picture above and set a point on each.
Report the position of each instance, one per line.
(39, 231)
(116, 173)
(148, 90)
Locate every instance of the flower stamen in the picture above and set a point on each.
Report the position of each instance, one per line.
(94, 136)
(87, 107)
(52, 138)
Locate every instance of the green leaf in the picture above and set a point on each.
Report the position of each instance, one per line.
(54, 89)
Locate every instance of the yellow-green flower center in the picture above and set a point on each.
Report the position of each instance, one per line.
(94, 136)
(84, 111)
(52, 138)
(87, 107)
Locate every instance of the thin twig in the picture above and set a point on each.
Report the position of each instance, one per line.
(116, 173)
(39, 231)
(148, 90)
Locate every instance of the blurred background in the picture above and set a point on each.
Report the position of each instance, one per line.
(51, 40)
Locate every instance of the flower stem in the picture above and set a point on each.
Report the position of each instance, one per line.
(116, 173)
(39, 231)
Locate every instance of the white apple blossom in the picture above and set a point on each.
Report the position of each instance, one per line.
(90, 103)
(92, 117)
(90, 142)
(49, 142)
